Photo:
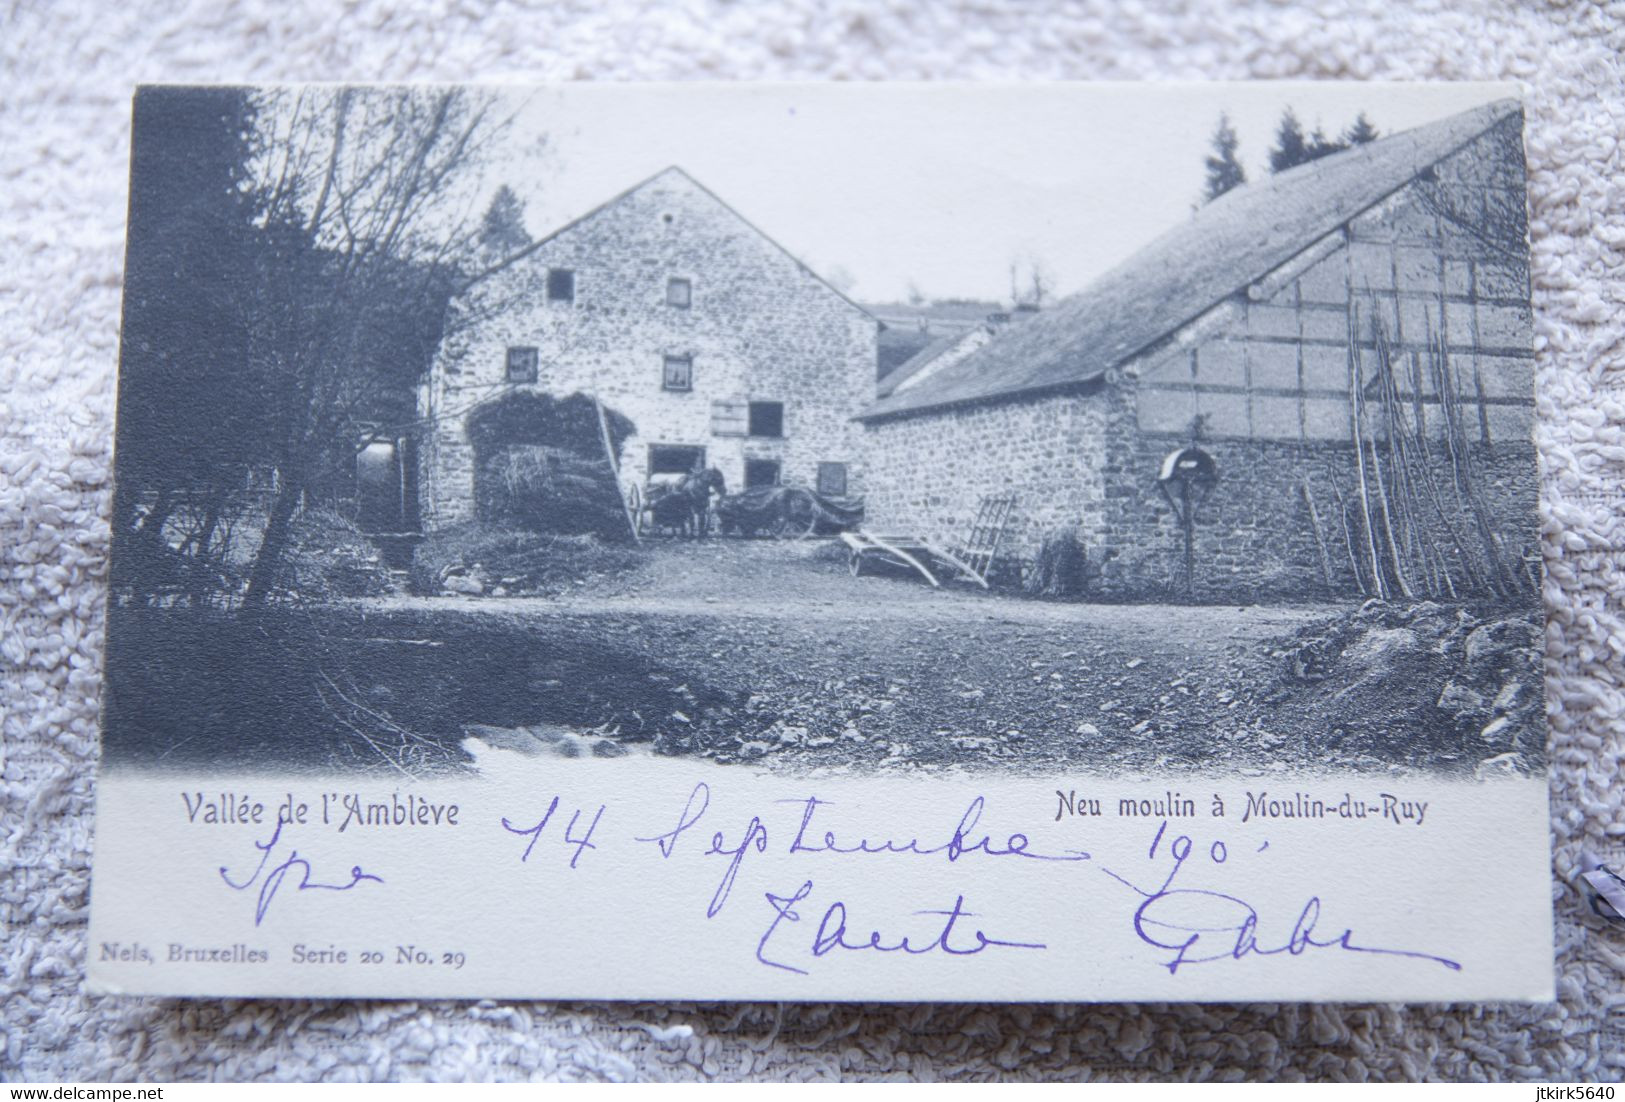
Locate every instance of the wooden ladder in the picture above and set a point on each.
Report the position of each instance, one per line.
(987, 532)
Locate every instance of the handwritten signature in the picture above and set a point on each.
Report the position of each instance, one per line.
(1200, 926)
(292, 870)
(833, 933)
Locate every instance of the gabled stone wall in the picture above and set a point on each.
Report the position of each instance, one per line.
(759, 327)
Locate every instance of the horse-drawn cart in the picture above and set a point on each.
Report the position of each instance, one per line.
(786, 512)
(685, 506)
(970, 559)
(679, 506)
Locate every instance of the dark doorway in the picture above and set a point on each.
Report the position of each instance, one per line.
(761, 472)
(387, 486)
(675, 459)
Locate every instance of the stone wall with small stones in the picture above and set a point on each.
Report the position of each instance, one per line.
(928, 475)
(759, 326)
(1254, 533)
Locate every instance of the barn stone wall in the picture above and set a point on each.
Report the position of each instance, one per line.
(1254, 537)
(1274, 372)
(928, 475)
(1269, 372)
(759, 327)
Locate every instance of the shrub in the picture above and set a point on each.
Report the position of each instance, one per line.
(1062, 566)
(328, 556)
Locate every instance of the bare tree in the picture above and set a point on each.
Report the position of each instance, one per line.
(1032, 281)
(370, 201)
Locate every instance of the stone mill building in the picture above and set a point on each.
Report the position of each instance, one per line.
(1348, 342)
(671, 310)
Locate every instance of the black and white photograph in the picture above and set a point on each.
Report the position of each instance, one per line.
(1146, 432)
(830, 540)
(887, 541)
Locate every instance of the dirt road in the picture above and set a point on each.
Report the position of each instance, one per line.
(771, 653)
(746, 650)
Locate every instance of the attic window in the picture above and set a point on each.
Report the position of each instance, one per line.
(521, 365)
(679, 293)
(561, 285)
(678, 373)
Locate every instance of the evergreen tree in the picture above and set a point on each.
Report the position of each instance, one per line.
(1291, 147)
(1224, 170)
(1361, 132)
(1320, 145)
(502, 230)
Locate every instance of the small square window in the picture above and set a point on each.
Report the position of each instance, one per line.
(767, 418)
(561, 285)
(761, 472)
(832, 479)
(675, 459)
(679, 293)
(521, 365)
(678, 373)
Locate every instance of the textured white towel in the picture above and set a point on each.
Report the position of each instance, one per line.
(66, 71)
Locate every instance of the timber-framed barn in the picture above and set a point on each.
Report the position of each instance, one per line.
(1349, 342)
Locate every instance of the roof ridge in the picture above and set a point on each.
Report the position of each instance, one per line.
(1080, 329)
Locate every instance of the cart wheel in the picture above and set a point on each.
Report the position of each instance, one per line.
(788, 528)
(791, 527)
(854, 563)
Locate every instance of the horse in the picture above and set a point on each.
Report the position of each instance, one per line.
(686, 507)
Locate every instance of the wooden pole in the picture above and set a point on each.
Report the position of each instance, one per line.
(1190, 538)
(1356, 409)
(615, 469)
(1314, 526)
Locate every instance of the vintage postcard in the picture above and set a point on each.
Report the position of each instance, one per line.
(1045, 542)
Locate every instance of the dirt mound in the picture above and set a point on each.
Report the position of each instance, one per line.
(1457, 687)
(478, 559)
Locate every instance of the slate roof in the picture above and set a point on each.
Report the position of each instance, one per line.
(1226, 245)
(915, 363)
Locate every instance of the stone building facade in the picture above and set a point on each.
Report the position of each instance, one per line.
(673, 311)
(1379, 292)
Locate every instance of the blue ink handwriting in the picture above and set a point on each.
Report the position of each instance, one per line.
(582, 843)
(1200, 926)
(832, 933)
(271, 882)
